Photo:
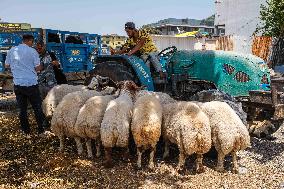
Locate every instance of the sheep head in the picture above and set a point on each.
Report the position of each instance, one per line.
(128, 86)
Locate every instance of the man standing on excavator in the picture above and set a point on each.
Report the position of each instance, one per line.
(140, 44)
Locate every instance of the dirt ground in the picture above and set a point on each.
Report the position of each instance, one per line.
(36, 163)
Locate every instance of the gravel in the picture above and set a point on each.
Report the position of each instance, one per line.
(36, 163)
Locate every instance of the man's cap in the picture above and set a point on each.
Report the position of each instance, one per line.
(129, 25)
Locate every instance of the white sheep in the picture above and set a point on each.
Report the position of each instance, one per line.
(146, 125)
(164, 98)
(229, 134)
(55, 95)
(65, 114)
(115, 125)
(187, 126)
(89, 120)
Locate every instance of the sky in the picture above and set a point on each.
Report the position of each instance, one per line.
(101, 17)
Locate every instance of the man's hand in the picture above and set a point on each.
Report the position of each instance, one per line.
(38, 68)
(112, 51)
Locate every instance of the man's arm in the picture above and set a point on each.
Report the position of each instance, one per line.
(38, 67)
(138, 46)
(122, 51)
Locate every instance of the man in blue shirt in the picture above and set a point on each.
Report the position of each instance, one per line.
(25, 63)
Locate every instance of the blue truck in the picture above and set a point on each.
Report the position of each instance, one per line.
(76, 57)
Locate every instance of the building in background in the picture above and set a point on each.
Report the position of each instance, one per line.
(114, 41)
(6, 26)
(238, 19)
(173, 26)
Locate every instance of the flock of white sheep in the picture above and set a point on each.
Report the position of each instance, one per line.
(110, 116)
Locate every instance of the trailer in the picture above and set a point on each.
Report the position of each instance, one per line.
(76, 57)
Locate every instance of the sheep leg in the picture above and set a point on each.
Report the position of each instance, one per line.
(151, 161)
(89, 148)
(181, 160)
(235, 162)
(98, 148)
(139, 156)
(126, 154)
(79, 145)
(199, 165)
(220, 164)
(61, 141)
(108, 162)
(167, 150)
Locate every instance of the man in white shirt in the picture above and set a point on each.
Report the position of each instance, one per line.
(25, 63)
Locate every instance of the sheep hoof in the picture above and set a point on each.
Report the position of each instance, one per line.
(181, 171)
(220, 169)
(200, 170)
(137, 168)
(108, 164)
(235, 171)
(151, 166)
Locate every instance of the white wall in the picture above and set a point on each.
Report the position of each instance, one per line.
(182, 43)
(240, 18)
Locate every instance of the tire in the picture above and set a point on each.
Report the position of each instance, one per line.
(211, 95)
(114, 70)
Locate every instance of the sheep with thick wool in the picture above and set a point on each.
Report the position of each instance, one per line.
(146, 125)
(115, 125)
(89, 120)
(55, 96)
(186, 125)
(164, 98)
(229, 134)
(65, 114)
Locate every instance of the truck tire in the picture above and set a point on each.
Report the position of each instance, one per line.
(114, 70)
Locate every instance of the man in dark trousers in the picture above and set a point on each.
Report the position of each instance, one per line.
(25, 63)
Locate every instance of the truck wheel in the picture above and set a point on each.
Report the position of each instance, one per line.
(211, 95)
(113, 70)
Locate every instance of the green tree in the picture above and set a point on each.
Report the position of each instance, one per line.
(272, 18)
(208, 21)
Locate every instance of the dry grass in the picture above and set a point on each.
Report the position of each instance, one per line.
(36, 163)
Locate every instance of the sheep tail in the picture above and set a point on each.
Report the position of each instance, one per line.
(200, 141)
(199, 138)
(146, 130)
(238, 143)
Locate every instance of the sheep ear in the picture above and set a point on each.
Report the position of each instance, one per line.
(133, 86)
